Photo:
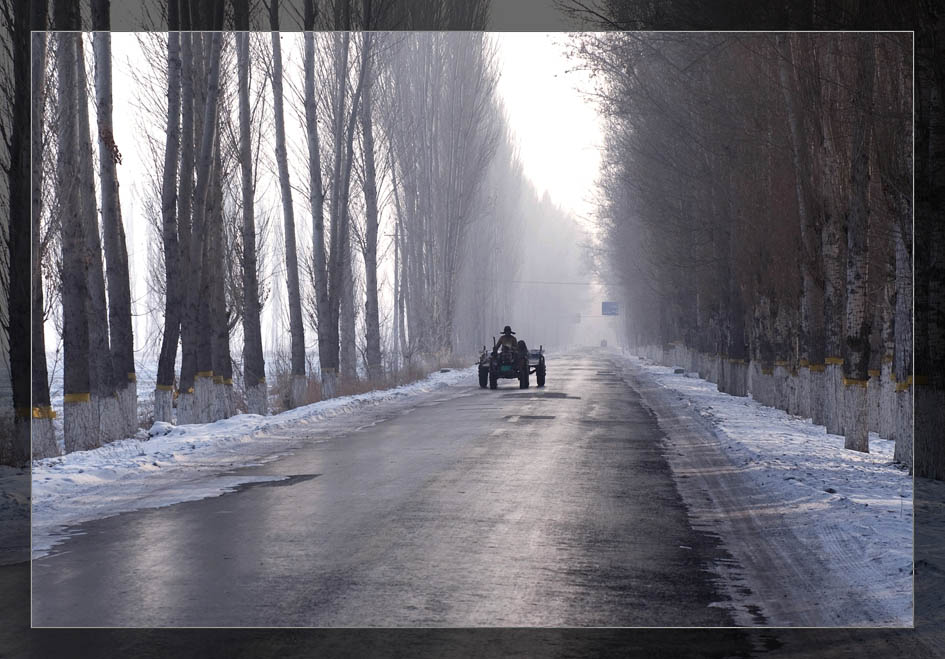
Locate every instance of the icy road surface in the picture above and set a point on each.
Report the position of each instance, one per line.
(575, 505)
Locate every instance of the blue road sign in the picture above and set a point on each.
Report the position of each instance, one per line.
(608, 308)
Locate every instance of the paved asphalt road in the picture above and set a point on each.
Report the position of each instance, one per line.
(538, 507)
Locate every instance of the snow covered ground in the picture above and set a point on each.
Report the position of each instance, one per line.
(170, 464)
(855, 510)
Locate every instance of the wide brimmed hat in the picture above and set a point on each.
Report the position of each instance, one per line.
(507, 330)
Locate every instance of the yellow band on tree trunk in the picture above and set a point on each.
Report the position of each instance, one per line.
(838, 361)
(204, 374)
(164, 387)
(39, 412)
(132, 377)
(77, 398)
(817, 368)
(851, 382)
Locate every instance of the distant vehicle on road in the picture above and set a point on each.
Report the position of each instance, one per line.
(511, 359)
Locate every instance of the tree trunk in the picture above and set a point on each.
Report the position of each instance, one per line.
(218, 326)
(858, 316)
(335, 256)
(164, 389)
(41, 414)
(902, 364)
(348, 346)
(811, 307)
(254, 366)
(102, 378)
(116, 252)
(199, 375)
(296, 329)
(185, 200)
(328, 362)
(371, 315)
(15, 449)
(80, 426)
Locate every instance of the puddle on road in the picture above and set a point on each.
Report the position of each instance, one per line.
(284, 482)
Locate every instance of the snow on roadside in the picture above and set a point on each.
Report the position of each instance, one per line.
(792, 459)
(171, 464)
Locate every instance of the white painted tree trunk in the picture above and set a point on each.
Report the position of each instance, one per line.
(804, 392)
(80, 426)
(874, 395)
(887, 401)
(230, 398)
(818, 394)
(905, 447)
(128, 408)
(110, 419)
(164, 405)
(185, 408)
(833, 401)
(203, 399)
(856, 417)
(43, 438)
(257, 399)
(329, 383)
(299, 390)
(218, 406)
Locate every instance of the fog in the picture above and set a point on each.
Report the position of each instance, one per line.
(517, 250)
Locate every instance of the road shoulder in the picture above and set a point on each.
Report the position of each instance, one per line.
(781, 576)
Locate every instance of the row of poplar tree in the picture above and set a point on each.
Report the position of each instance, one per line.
(758, 209)
(396, 125)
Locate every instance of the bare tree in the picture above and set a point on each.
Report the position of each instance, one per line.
(194, 405)
(371, 315)
(103, 384)
(116, 251)
(43, 441)
(170, 201)
(296, 329)
(80, 424)
(740, 211)
(254, 369)
(858, 318)
(16, 279)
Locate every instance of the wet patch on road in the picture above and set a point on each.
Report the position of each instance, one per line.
(283, 482)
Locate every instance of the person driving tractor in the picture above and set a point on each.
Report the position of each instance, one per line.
(507, 338)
